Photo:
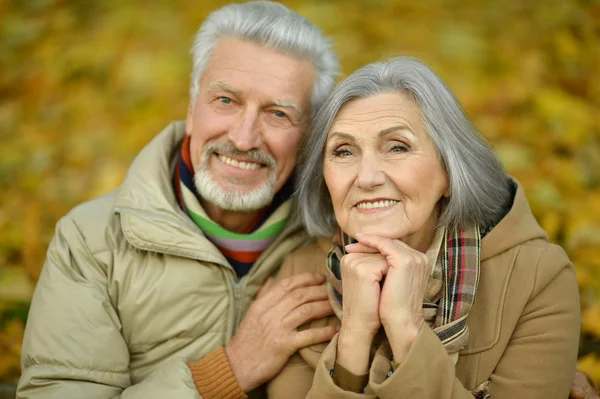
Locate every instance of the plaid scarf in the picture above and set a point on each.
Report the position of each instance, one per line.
(451, 288)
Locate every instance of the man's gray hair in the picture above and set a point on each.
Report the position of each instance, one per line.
(273, 26)
(479, 186)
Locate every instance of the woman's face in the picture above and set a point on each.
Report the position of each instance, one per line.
(382, 170)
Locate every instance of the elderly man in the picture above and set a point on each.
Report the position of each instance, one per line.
(146, 292)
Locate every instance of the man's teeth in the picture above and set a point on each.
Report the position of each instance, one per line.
(239, 164)
(378, 204)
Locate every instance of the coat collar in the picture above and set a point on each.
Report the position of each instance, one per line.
(519, 225)
(151, 218)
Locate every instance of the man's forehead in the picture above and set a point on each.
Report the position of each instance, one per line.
(247, 66)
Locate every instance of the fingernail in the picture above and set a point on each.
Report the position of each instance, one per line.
(359, 234)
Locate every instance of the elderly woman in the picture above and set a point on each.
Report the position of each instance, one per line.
(443, 283)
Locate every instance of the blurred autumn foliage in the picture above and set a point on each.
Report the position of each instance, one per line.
(85, 84)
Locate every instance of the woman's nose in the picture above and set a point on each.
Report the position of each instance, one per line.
(370, 174)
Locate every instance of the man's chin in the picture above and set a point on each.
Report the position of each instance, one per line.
(235, 198)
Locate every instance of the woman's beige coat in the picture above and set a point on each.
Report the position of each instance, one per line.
(524, 328)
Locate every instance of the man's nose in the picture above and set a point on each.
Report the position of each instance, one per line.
(246, 132)
(370, 174)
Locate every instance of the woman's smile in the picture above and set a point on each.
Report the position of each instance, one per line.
(375, 205)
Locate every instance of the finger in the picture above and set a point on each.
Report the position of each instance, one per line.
(265, 288)
(289, 284)
(313, 336)
(299, 297)
(364, 265)
(360, 248)
(386, 246)
(308, 312)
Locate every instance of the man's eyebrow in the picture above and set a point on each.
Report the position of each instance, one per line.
(393, 129)
(286, 104)
(223, 86)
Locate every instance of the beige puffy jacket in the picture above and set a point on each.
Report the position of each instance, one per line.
(131, 290)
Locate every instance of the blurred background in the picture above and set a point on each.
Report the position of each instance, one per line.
(85, 84)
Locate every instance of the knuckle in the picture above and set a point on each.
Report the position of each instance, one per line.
(286, 283)
(279, 343)
(255, 308)
(262, 319)
(310, 334)
(362, 272)
(298, 295)
(305, 311)
(349, 259)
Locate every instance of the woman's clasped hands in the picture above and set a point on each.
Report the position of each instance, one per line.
(384, 283)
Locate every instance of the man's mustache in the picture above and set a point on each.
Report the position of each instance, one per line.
(228, 149)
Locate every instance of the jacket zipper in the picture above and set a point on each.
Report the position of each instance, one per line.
(236, 285)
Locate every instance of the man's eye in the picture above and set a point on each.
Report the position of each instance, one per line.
(225, 100)
(279, 114)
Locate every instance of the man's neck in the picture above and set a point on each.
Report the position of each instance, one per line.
(236, 222)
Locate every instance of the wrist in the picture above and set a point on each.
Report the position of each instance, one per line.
(402, 322)
(213, 376)
(243, 379)
(354, 350)
(401, 337)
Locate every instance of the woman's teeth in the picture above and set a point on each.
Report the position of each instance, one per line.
(378, 204)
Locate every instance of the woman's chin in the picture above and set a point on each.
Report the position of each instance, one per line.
(374, 230)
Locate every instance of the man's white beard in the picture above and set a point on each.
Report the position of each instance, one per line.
(232, 199)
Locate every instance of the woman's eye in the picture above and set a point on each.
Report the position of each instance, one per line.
(342, 153)
(399, 148)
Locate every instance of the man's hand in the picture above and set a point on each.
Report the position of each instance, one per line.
(582, 388)
(268, 335)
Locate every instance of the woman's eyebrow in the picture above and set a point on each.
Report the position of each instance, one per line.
(394, 129)
(341, 135)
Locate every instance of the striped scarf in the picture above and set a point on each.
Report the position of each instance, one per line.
(240, 250)
(451, 288)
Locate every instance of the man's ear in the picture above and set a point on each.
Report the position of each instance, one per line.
(189, 120)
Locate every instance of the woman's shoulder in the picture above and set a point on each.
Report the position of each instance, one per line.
(530, 263)
(311, 258)
(518, 246)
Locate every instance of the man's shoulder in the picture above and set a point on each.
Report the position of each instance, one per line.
(96, 221)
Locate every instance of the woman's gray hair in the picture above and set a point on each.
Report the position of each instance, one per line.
(479, 186)
(273, 26)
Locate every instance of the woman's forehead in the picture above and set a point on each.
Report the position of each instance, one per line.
(378, 113)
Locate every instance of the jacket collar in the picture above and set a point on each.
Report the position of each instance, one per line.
(519, 225)
(151, 218)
